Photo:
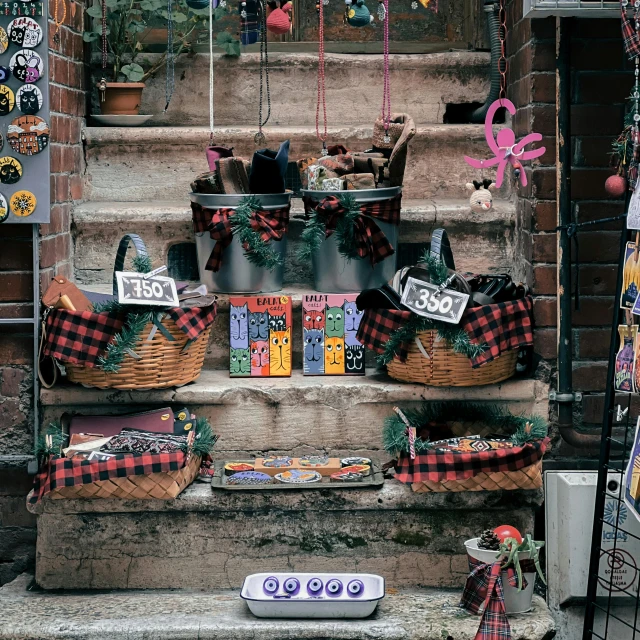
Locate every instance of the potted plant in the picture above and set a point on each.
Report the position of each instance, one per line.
(130, 28)
(506, 545)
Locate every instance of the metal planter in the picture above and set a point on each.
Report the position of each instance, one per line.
(332, 272)
(237, 274)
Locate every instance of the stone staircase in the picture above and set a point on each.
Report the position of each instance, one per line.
(138, 180)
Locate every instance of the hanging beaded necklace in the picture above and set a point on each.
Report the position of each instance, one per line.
(259, 138)
(210, 73)
(322, 100)
(171, 61)
(102, 85)
(386, 91)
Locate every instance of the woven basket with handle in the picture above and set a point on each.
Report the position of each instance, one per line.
(436, 364)
(162, 362)
(156, 486)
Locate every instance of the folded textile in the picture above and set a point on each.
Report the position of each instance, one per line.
(132, 441)
(269, 170)
(207, 183)
(401, 129)
(215, 152)
(233, 175)
(340, 164)
(332, 184)
(356, 181)
(316, 175)
(303, 169)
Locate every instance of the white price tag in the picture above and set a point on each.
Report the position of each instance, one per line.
(134, 288)
(430, 301)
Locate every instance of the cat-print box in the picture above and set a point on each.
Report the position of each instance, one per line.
(260, 336)
(329, 326)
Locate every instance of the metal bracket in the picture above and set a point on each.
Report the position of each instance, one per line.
(554, 396)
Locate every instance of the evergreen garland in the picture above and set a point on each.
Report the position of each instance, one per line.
(519, 428)
(205, 438)
(142, 264)
(128, 338)
(258, 252)
(315, 231)
(51, 441)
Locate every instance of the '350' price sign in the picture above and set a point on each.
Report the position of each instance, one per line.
(134, 288)
(427, 300)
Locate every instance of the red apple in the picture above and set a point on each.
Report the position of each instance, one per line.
(505, 531)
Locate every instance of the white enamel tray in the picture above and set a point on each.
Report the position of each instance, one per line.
(312, 595)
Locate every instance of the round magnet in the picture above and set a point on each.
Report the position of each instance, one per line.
(4, 209)
(26, 65)
(5, 73)
(23, 203)
(24, 32)
(7, 100)
(29, 99)
(4, 40)
(28, 135)
(10, 170)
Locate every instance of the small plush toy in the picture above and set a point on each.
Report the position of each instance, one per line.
(279, 18)
(357, 15)
(481, 198)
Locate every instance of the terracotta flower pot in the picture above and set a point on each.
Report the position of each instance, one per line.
(122, 98)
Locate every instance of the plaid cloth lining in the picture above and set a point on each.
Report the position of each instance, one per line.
(370, 239)
(66, 472)
(271, 225)
(81, 337)
(501, 327)
(441, 465)
(629, 35)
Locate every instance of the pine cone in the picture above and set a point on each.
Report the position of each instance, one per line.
(489, 540)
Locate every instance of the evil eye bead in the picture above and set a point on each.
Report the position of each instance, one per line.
(355, 588)
(314, 586)
(334, 587)
(271, 585)
(292, 586)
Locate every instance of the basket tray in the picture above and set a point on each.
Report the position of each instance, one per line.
(374, 479)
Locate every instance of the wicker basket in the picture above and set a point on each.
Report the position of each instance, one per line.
(155, 486)
(446, 368)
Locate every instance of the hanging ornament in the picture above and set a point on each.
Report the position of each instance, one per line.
(248, 21)
(616, 185)
(414, 5)
(170, 59)
(481, 199)
(357, 15)
(321, 96)
(197, 4)
(279, 19)
(382, 12)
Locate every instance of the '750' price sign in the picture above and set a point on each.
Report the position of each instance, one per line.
(430, 301)
(134, 288)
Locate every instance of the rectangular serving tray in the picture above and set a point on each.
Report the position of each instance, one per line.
(219, 481)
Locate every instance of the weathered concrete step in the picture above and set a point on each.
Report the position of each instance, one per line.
(213, 539)
(300, 414)
(421, 85)
(158, 163)
(482, 242)
(430, 614)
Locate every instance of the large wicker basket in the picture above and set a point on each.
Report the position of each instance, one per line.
(155, 486)
(446, 368)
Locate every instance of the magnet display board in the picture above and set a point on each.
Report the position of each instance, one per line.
(24, 113)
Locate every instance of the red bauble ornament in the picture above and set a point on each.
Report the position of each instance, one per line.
(505, 531)
(615, 185)
(278, 21)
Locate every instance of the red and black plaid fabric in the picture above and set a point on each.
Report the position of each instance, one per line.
(271, 225)
(439, 465)
(629, 35)
(67, 472)
(501, 327)
(81, 337)
(484, 588)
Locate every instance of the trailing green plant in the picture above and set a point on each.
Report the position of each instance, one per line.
(315, 231)
(257, 251)
(51, 441)
(205, 439)
(519, 428)
(510, 550)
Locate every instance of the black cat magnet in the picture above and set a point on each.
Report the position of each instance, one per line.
(24, 32)
(4, 210)
(26, 66)
(10, 170)
(28, 135)
(29, 99)
(7, 100)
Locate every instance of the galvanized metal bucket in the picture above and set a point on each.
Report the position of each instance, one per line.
(237, 274)
(332, 272)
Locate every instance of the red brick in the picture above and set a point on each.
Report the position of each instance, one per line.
(543, 183)
(543, 55)
(592, 343)
(61, 269)
(549, 155)
(54, 249)
(12, 378)
(589, 376)
(15, 348)
(594, 280)
(543, 87)
(545, 343)
(15, 287)
(543, 29)
(545, 215)
(543, 119)
(594, 311)
(11, 413)
(16, 256)
(60, 219)
(544, 247)
(593, 406)
(75, 183)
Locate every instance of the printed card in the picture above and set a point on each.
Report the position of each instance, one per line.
(329, 326)
(260, 336)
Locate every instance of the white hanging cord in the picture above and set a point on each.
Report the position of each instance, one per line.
(211, 70)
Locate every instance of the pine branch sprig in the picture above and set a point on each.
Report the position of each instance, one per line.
(128, 338)
(51, 441)
(205, 439)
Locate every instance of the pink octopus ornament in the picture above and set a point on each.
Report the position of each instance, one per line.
(504, 146)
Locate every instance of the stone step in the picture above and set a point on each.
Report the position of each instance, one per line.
(482, 242)
(208, 539)
(421, 85)
(425, 614)
(145, 164)
(297, 415)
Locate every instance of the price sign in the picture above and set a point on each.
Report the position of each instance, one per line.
(134, 288)
(430, 301)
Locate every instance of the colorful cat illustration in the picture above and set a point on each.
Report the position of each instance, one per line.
(29, 100)
(240, 362)
(313, 319)
(277, 323)
(258, 325)
(334, 322)
(352, 317)
(280, 353)
(239, 325)
(313, 351)
(333, 354)
(260, 358)
(354, 362)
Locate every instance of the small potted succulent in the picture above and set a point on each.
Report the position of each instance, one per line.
(507, 545)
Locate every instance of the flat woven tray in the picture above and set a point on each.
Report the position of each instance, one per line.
(374, 479)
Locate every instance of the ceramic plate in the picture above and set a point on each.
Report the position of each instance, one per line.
(123, 121)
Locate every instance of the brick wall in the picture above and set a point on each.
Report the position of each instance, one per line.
(600, 83)
(67, 95)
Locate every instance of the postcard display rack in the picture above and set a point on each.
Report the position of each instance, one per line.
(24, 145)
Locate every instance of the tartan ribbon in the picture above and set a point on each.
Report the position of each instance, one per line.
(630, 36)
(271, 225)
(484, 588)
(500, 327)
